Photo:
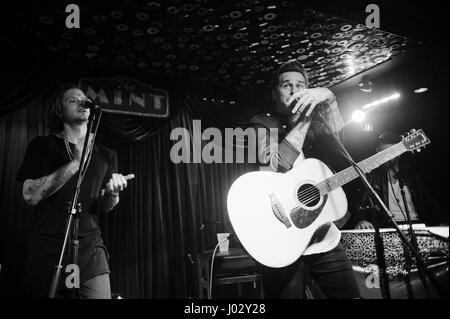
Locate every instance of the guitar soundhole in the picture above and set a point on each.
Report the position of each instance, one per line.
(308, 195)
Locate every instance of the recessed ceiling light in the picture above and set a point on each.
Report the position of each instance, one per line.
(420, 90)
(365, 85)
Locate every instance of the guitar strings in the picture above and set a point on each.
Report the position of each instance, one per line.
(307, 195)
(303, 196)
(320, 186)
(309, 189)
(311, 199)
(308, 192)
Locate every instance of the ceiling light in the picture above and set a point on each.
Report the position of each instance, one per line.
(420, 90)
(365, 86)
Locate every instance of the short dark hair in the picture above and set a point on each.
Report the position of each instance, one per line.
(289, 66)
(389, 137)
(54, 109)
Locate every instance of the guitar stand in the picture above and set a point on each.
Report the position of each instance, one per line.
(420, 264)
(93, 122)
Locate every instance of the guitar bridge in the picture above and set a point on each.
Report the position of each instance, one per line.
(278, 211)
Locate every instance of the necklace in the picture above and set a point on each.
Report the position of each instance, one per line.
(69, 150)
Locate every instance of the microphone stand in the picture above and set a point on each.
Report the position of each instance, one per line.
(191, 261)
(380, 255)
(412, 236)
(75, 207)
(202, 246)
(374, 194)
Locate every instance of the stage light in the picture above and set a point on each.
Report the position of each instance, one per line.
(420, 90)
(381, 101)
(358, 116)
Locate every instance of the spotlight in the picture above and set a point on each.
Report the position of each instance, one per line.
(381, 101)
(358, 116)
(420, 90)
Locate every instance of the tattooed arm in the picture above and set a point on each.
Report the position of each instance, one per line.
(296, 137)
(279, 155)
(332, 116)
(36, 190)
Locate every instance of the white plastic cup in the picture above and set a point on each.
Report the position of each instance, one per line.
(224, 242)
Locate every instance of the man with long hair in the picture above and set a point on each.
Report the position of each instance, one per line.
(49, 174)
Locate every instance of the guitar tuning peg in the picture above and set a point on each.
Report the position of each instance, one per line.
(418, 150)
(413, 130)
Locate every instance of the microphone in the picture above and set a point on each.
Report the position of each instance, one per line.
(88, 104)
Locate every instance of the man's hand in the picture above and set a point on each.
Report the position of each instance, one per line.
(117, 183)
(311, 98)
(110, 195)
(364, 225)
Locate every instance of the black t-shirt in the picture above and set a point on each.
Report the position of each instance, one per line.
(46, 154)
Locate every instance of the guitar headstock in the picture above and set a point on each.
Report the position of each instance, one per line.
(415, 140)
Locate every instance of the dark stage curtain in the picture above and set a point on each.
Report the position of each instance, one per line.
(158, 220)
(24, 84)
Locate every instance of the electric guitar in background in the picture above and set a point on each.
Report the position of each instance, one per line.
(275, 215)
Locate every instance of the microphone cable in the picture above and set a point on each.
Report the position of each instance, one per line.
(212, 266)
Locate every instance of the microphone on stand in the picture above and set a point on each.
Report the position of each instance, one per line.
(88, 104)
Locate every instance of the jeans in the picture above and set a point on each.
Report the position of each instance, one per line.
(331, 270)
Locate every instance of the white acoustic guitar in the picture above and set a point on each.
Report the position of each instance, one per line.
(275, 215)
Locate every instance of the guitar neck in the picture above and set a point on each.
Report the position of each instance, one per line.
(367, 165)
